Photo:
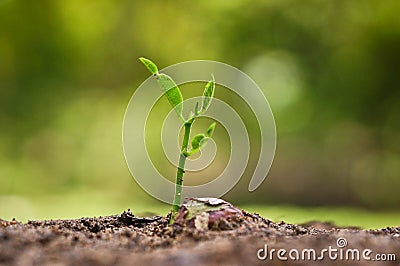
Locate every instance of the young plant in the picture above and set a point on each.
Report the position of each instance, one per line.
(174, 96)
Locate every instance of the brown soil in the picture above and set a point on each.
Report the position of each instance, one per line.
(127, 240)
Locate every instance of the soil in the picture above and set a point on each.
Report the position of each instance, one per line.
(128, 240)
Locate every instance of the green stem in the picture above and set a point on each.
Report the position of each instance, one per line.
(181, 171)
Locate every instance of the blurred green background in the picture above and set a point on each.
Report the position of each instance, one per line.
(330, 70)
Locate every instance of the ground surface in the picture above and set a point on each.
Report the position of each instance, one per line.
(127, 240)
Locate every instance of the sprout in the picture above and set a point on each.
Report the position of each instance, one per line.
(174, 96)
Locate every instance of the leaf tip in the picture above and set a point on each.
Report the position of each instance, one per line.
(150, 65)
(210, 130)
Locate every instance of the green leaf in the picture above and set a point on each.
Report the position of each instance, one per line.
(200, 140)
(172, 92)
(150, 65)
(210, 130)
(196, 141)
(208, 94)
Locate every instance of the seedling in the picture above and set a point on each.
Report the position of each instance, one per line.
(174, 96)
